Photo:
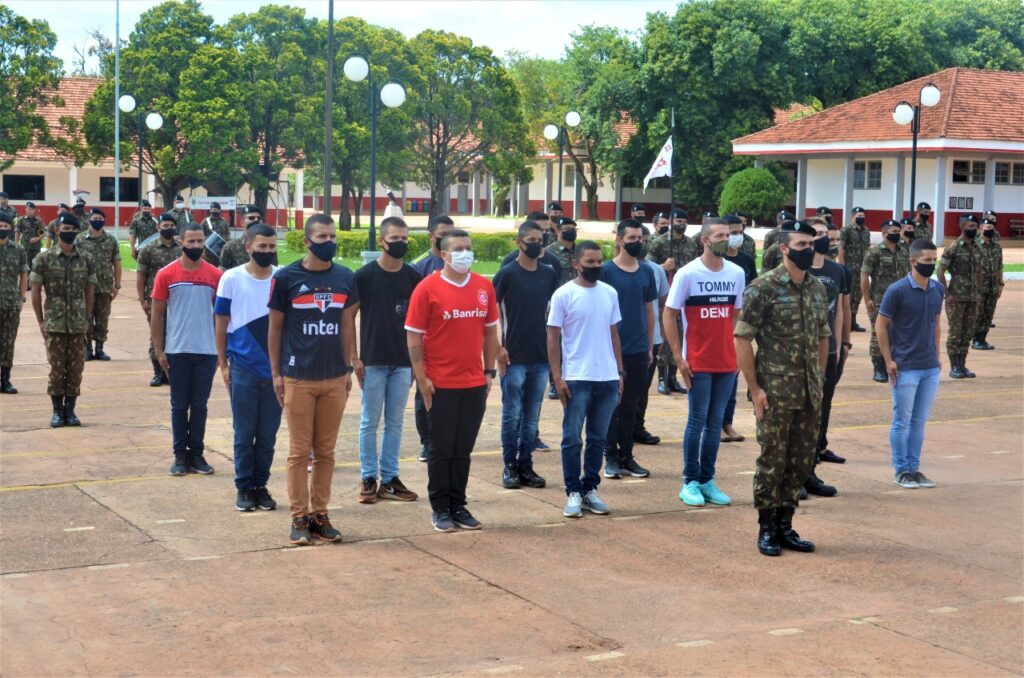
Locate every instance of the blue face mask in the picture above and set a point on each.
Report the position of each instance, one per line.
(324, 251)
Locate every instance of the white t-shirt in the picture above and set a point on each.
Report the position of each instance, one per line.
(662, 279)
(586, 316)
(243, 299)
(708, 300)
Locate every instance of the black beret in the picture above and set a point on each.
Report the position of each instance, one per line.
(907, 222)
(990, 213)
(167, 216)
(858, 209)
(968, 217)
(6, 219)
(791, 226)
(214, 205)
(69, 218)
(733, 219)
(824, 210)
(146, 203)
(3, 194)
(97, 210)
(659, 215)
(63, 206)
(566, 221)
(923, 206)
(785, 215)
(889, 223)
(679, 213)
(710, 214)
(30, 204)
(638, 207)
(554, 206)
(80, 201)
(987, 222)
(178, 197)
(253, 209)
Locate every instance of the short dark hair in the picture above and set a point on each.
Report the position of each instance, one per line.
(920, 246)
(586, 246)
(259, 229)
(526, 227)
(315, 220)
(627, 223)
(432, 224)
(190, 226)
(537, 215)
(456, 233)
(392, 222)
(705, 230)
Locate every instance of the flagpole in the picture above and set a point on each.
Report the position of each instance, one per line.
(671, 172)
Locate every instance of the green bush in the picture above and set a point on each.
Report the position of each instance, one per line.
(754, 191)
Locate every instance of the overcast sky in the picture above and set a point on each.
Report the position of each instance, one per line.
(531, 26)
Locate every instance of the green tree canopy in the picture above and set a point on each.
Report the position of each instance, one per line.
(754, 191)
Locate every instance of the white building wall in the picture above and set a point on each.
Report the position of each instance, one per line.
(825, 183)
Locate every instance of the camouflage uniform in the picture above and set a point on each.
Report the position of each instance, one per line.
(28, 228)
(142, 226)
(855, 241)
(564, 259)
(65, 278)
(51, 231)
(749, 247)
(769, 238)
(965, 263)
(12, 214)
(104, 252)
(884, 267)
(787, 320)
(922, 230)
(217, 225)
(13, 262)
(233, 254)
(992, 253)
(152, 258)
(181, 217)
(771, 259)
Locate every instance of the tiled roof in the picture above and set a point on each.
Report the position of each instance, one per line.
(792, 112)
(75, 92)
(958, 115)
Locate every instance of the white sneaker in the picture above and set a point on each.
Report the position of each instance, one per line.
(573, 506)
(593, 503)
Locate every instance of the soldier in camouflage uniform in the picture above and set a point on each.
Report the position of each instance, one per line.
(564, 247)
(854, 242)
(922, 229)
(68, 275)
(6, 209)
(883, 265)
(992, 287)
(234, 253)
(13, 283)
(180, 215)
(772, 258)
(31, 230)
(672, 251)
(215, 223)
(152, 258)
(965, 261)
(907, 227)
(769, 238)
(51, 228)
(142, 225)
(785, 311)
(106, 255)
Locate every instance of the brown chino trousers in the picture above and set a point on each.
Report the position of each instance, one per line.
(313, 411)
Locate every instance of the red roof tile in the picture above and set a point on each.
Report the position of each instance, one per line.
(956, 116)
(75, 92)
(792, 112)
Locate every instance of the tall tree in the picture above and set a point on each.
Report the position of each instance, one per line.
(28, 69)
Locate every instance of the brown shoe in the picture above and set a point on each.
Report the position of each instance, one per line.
(734, 436)
(368, 491)
(396, 490)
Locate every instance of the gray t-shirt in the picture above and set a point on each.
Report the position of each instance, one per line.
(662, 280)
(189, 296)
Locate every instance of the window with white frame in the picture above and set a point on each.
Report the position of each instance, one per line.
(1009, 173)
(969, 172)
(867, 174)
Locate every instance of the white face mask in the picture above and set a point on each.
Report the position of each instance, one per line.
(735, 240)
(179, 205)
(462, 261)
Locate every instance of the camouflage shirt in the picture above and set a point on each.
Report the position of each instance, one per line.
(31, 227)
(769, 238)
(104, 252)
(964, 261)
(772, 258)
(153, 257)
(564, 259)
(787, 320)
(884, 267)
(922, 230)
(13, 262)
(142, 226)
(217, 225)
(51, 231)
(749, 247)
(683, 250)
(992, 255)
(233, 254)
(855, 241)
(65, 278)
(181, 217)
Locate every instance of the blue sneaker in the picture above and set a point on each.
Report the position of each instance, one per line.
(593, 503)
(714, 495)
(573, 506)
(691, 494)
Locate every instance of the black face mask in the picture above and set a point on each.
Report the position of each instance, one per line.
(398, 249)
(569, 235)
(679, 229)
(214, 214)
(925, 270)
(802, 259)
(859, 221)
(662, 230)
(821, 245)
(909, 235)
(68, 236)
(924, 218)
(324, 251)
(892, 237)
(591, 274)
(633, 249)
(4, 233)
(264, 259)
(989, 232)
(193, 253)
(168, 233)
(97, 225)
(533, 249)
(970, 233)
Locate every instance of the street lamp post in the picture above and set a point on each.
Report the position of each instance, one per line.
(154, 121)
(906, 114)
(551, 132)
(392, 95)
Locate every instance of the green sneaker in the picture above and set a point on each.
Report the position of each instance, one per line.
(691, 494)
(714, 495)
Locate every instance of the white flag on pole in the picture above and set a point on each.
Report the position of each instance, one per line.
(662, 166)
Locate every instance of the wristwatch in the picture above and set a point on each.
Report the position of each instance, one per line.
(491, 373)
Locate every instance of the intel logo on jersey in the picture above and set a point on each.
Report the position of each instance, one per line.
(320, 328)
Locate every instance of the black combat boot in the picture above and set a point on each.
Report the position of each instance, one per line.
(88, 350)
(880, 375)
(985, 346)
(158, 374)
(955, 371)
(787, 536)
(5, 381)
(767, 541)
(963, 367)
(100, 355)
(58, 411)
(662, 386)
(70, 418)
(673, 383)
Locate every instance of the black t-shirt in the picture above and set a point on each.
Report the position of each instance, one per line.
(383, 302)
(312, 302)
(836, 282)
(746, 262)
(523, 297)
(545, 258)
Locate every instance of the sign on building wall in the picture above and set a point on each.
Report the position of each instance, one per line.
(203, 202)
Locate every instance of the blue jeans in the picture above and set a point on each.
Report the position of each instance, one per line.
(709, 394)
(592, 402)
(256, 416)
(191, 378)
(522, 392)
(912, 399)
(730, 407)
(385, 387)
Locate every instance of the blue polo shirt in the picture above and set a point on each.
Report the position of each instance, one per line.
(913, 311)
(635, 291)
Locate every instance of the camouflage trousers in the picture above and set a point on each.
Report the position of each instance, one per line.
(875, 352)
(66, 355)
(986, 311)
(665, 357)
(31, 255)
(100, 320)
(788, 439)
(962, 314)
(855, 294)
(10, 318)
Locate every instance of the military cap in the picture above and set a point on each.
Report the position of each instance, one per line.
(562, 221)
(679, 213)
(30, 204)
(733, 219)
(858, 209)
(253, 209)
(167, 216)
(923, 206)
(3, 194)
(823, 210)
(97, 210)
(889, 223)
(214, 205)
(989, 214)
(6, 219)
(178, 197)
(146, 203)
(555, 206)
(907, 222)
(785, 215)
(638, 207)
(710, 214)
(792, 226)
(987, 221)
(63, 206)
(968, 217)
(659, 215)
(80, 201)
(69, 218)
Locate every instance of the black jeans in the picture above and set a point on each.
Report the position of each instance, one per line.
(641, 408)
(455, 417)
(422, 418)
(828, 389)
(620, 429)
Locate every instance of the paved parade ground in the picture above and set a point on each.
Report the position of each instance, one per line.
(112, 567)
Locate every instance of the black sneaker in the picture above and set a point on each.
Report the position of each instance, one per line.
(612, 469)
(541, 445)
(180, 465)
(442, 521)
(320, 526)
(464, 519)
(245, 501)
(645, 437)
(634, 469)
(300, 535)
(510, 477)
(423, 454)
(264, 501)
(197, 463)
(528, 478)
